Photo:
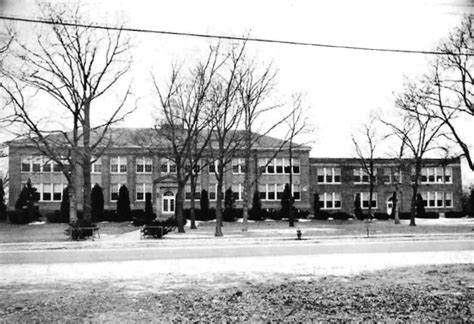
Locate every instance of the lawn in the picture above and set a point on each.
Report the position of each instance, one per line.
(415, 294)
(10, 233)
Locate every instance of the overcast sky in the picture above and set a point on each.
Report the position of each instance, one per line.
(342, 86)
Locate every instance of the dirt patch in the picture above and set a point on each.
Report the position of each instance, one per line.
(426, 293)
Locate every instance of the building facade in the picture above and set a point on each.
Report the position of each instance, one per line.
(338, 181)
(142, 172)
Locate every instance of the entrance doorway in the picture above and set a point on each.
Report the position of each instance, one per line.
(168, 202)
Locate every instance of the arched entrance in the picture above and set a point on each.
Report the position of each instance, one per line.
(168, 202)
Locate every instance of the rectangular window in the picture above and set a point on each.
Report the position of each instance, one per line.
(271, 191)
(141, 190)
(296, 165)
(114, 190)
(262, 191)
(238, 166)
(57, 191)
(330, 200)
(271, 167)
(424, 195)
(279, 166)
(237, 191)
(361, 176)
(280, 189)
(37, 161)
(296, 192)
(118, 164)
(46, 192)
(329, 175)
(213, 167)
(387, 175)
(25, 163)
(56, 167)
(168, 166)
(364, 199)
(439, 199)
(448, 175)
(448, 199)
(47, 164)
(97, 166)
(431, 199)
(262, 162)
(213, 191)
(144, 165)
(187, 192)
(439, 175)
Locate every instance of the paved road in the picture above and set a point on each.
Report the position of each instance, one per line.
(301, 248)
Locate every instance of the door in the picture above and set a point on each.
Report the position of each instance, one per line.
(168, 203)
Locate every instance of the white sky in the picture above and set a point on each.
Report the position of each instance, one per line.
(341, 86)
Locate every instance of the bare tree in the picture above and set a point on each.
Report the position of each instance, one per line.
(452, 82)
(73, 66)
(297, 124)
(226, 112)
(417, 130)
(185, 124)
(365, 149)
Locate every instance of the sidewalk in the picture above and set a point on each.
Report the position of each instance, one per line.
(133, 239)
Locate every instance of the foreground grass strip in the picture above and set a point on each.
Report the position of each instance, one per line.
(428, 293)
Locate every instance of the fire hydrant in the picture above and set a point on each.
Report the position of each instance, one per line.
(298, 234)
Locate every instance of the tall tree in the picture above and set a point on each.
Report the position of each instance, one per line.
(452, 86)
(73, 65)
(365, 148)
(417, 130)
(184, 121)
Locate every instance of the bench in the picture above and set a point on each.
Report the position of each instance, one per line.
(78, 233)
(156, 231)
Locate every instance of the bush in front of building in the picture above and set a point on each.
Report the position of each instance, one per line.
(357, 208)
(430, 214)
(381, 216)
(123, 205)
(420, 207)
(229, 206)
(97, 203)
(321, 215)
(25, 209)
(455, 214)
(204, 203)
(200, 215)
(77, 232)
(56, 217)
(255, 213)
(285, 202)
(340, 215)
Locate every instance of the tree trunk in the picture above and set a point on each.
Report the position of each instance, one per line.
(192, 207)
(86, 164)
(246, 193)
(73, 196)
(415, 192)
(395, 206)
(179, 207)
(220, 180)
(290, 216)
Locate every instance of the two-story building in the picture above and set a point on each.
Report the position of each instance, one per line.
(150, 170)
(338, 181)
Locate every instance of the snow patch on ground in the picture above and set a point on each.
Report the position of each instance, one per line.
(443, 221)
(241, 220)
(37, 223)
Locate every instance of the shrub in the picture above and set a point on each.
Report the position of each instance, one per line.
(454, 214)
(123, 205)
(300, 214)
(430, 214)
(204, 203)
(256, 202)
(404, 215)
(65, 205)
(168, 225)
(97, 203)
(317, 207)
(229, 203)
(381, 216)
(200, 216)
(285, 201)
(357, 207)
(109, 215)
(420, 207)
(57, 217)
(25, 206)
(340, 216)
(77, 233)
(322, 215)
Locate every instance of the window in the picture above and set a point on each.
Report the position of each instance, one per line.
(296, 165)
(196, 165)
(114, 190)
(238, 166)
(118, 164)
(144, 165)
(262, 191)
(46, 192)
(25, 163)
(47, 164)
(97, 166)
(271, 188)
(448, 175)
(437, 199)
(237, 191)
(141, 190)
(168, 166)
(448, 199)
(213, 191)
(197, 193)
(271, 167)
(387, 175)
(57, 191)
(262, 163)
(330, 200)
(361, 175)
(436, 175)
(329, 175)
(280, 188)
(296, 191)
(364, 199)
(279, 165)
(213, 167)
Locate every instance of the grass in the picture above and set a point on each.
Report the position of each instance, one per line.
(10, 233)
(414, 294)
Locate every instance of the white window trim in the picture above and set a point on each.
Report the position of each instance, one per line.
(331, 196)
(121, 160)
(362, 172)
(240, 163)
(142, 186)
(94, 165)
(332, 173)
(374, 197)
(143, 162)
(215, 190)
(118, 185)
